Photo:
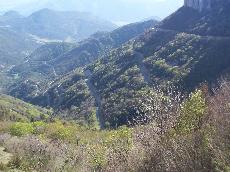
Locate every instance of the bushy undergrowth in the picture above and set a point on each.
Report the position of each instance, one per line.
(194, 137)
(21, 129)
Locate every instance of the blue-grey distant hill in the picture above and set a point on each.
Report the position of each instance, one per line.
(21, 35)
(60, 25)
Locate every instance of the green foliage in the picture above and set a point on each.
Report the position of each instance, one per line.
(96, 143)
(39, 127)
(58, 130)
(3, 167)
(97, 156)
(39, 124)
(21, 129)
(120, 138)
(12, 109)
(93, 121)
(24, 128)
(192, 111)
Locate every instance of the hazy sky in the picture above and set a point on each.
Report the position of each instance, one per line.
(113, 10)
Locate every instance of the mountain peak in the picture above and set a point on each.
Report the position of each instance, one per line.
(12, 13)
(202, 5)
(44, 11)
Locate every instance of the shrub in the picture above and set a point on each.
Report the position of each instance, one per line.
(3, 167)
(120, 138)
(93, 121)
(58, 130)
(39, 127)
(21, 129)
(4, 126)
(97, 156)
(192, 112)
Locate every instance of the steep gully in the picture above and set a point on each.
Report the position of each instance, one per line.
(144, 71)
(97, 98)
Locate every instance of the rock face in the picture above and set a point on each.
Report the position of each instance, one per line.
(200, 5)
(204, 5)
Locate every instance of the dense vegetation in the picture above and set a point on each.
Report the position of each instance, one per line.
(192, 136)
(139, 98)
(64, 57)
(36, 76)
(12, 109)
(163, 56)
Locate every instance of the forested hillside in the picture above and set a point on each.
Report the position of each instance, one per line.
(146, 97)
(36, 71)
(160, 57)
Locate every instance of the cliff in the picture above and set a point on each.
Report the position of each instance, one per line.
(200, 5)
(204, 5)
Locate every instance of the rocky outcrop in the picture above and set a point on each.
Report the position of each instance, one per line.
(204, 5)
(200, 5)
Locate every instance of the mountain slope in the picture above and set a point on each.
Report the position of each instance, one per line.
(90, 49)
(161, 57)
(16, 110)
(15, 46)
(185, 55)
(21, 35)
(34, 72)
(98, 45)
(69, 94)
(214, 22)
(39, 60)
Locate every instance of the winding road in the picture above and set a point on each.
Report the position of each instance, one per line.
(139, 57)
(201, 36)
(50, 66)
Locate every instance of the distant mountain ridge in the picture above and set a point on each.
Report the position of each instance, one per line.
(60, 25)
(22, 35)
(85, 51)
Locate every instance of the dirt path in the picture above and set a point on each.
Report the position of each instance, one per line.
(4, 156)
